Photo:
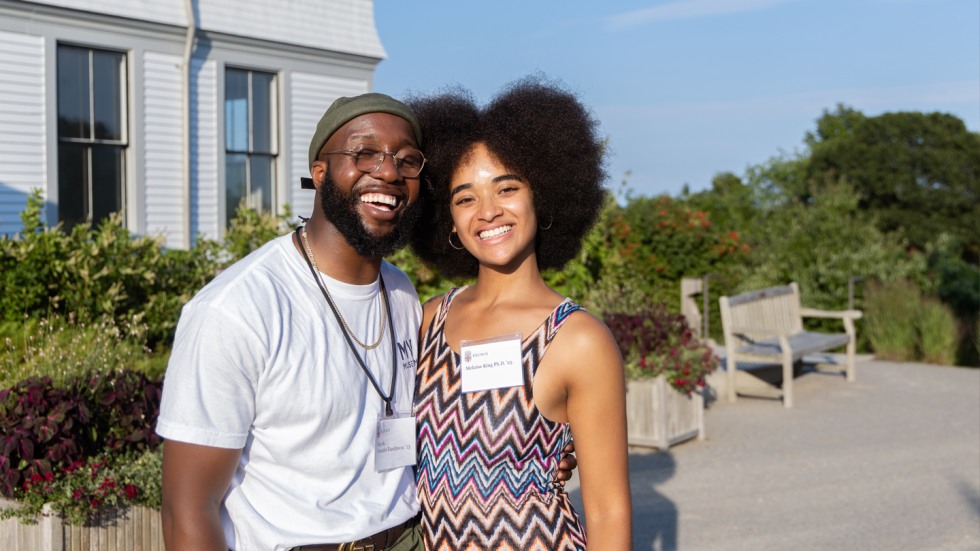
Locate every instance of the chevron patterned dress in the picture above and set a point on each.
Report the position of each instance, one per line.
(487, 459)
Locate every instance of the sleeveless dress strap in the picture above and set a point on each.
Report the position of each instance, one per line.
(447, 299)
(558, 317)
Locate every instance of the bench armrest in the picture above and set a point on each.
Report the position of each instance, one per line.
(836, 314)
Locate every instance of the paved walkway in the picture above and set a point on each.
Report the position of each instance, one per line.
(891, 461)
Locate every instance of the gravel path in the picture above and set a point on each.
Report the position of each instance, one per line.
(891, 461)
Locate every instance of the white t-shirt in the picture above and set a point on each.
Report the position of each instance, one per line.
(260, 363)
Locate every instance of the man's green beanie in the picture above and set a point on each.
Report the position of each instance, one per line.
(345, 109)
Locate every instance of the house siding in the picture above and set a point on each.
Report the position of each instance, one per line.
(319, 50)
(163, 157)
(205, 145)
(22, 124)
(338, 25)
(168, 12)
(310, 95)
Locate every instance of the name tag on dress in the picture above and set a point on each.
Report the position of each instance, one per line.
(491, 363)
(395, 443)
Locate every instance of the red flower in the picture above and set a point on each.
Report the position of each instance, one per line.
(131, 491)
(77, 494)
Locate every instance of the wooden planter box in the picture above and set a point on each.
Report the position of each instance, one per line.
(659, 416)
(130, 529)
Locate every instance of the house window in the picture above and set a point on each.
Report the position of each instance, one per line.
(91, 134)
(250, 140)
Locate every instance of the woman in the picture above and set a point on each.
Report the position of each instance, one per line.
(509, 369)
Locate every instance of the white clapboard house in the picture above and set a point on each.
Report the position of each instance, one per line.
(171, 111)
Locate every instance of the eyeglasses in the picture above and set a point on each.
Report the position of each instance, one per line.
(369, 158)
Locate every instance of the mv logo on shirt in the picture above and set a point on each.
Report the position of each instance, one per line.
(406, 352)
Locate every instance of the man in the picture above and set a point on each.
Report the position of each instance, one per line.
(288, 395)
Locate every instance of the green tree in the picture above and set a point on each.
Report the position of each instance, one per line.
(821, 243)
(731, 203)
(919, 173)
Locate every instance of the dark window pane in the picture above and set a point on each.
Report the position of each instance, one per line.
(236, 176)
(107, 78)
(262, 175)
(73, 93)
(107, 178)
(72, 183)
(263, 92)
(236, 110)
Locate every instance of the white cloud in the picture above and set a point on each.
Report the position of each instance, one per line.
(686, 9)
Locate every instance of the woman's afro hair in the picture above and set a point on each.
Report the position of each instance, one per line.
(535, 128)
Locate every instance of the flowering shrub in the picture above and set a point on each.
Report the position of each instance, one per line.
(61, 347)
(82, 489)
(657, 342)
(45, 428)
(41, 429)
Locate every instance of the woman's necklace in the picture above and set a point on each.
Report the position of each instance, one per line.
(343, 322)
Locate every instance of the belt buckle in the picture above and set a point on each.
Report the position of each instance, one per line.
(355, 546)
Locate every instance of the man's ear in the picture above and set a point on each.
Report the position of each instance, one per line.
(318, 172)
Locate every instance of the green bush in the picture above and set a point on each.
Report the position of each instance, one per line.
(427, 280)
(250, 229)
(889, 315)
(85, 322)
(821, 244)
(90, 273)
(610, 295)
(83, 489)
(61, 348)
(902, 323)
(662, 240)
(936, 333)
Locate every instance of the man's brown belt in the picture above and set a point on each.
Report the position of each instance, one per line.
(377, 542)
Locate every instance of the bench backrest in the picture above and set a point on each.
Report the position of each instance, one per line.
(771, 308)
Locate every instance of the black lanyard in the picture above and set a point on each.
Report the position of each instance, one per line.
(350, 343)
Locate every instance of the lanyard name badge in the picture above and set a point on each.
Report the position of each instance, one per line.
(491, 363)
(394, 444)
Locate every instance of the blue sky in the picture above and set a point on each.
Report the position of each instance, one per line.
(685, 89)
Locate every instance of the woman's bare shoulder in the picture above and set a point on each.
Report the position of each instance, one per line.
(584, 337)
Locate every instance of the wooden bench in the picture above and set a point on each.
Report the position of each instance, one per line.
(766, 327)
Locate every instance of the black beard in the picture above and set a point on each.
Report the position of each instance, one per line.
(341, 211)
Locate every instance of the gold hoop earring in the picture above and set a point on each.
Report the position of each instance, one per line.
(461, 247)
(551, 220)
